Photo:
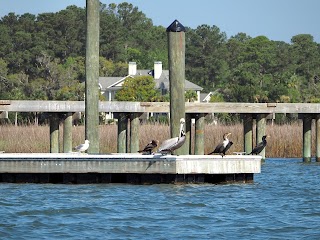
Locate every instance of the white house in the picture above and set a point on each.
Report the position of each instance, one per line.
(110, 85)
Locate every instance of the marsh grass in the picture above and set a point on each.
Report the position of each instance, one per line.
(285, 140)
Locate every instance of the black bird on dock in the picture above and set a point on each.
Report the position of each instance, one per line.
(260, 146)
(223, 147)
(149, 147)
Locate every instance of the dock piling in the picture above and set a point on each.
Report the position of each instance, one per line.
(54, 133)
(176, 55)
(247, 128)
(318, 137)
(307, 121)
(67, 133)
(92, 75)
(261, 131)
(199, 134)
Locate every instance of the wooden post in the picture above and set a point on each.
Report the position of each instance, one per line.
(318, 137)
(54, 133)
(176, 54)
(92, 76)
(134, 132)
(122, 133)
(261, 131)
(199, 134)
(307, 120)
(67, 133)
(186, 148)
(247, 128)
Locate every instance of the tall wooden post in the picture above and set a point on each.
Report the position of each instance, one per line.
(134, 132)
(92, 76)
(54, 133)
(122, 133)
(307, 120)
(176, 54)
(261, 131)
(247, 128)
(199, 135)
(318, 137)
(67, 133)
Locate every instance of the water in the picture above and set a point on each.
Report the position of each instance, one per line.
(282, 203)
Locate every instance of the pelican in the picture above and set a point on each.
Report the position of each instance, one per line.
(169, 145)
(223, 146)
(260, 146)
(149, 147)
(83, 147)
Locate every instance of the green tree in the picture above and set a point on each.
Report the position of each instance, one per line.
(205, 52)
(138, 89)
(190, 96)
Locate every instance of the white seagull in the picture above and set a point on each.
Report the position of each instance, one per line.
(83, 147)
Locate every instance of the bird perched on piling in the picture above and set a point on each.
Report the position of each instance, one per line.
(260, 146)
(83, 147)
(223, 147)
(169, 145)
(149, 147)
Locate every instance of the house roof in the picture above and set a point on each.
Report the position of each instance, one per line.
(162, 82)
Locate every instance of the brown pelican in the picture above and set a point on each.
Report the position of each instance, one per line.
(260, 146)
(83, 147)
(223, 146)
(169, 145)
(149, 147)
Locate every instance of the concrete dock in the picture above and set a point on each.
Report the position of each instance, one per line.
(126, 168)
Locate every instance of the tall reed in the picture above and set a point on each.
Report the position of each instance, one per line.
(285, 140)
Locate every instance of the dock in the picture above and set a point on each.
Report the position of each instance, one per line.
(81, 168)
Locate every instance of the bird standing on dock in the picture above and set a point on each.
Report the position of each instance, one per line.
(223, 146)
(169, 145)
(260, 146)
(83, 147)
(150, 146)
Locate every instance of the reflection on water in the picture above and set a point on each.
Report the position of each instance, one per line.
(282, 203)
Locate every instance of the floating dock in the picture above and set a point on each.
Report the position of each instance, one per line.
(131, 168)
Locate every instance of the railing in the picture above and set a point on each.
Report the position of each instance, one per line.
(131, 111)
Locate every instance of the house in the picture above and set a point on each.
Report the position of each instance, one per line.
(110, 85)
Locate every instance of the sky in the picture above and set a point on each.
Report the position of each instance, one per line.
(278, 20)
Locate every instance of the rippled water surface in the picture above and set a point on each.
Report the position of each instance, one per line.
(282, 203)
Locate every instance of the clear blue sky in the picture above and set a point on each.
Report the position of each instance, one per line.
(275, 19)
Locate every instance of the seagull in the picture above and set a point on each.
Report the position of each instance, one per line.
(223, 146)
(149, 147)
(260, 146)
(83, 147)
(169, 145)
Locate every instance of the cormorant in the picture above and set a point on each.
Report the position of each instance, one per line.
(223, 146)
(149, 147)
(169, 145)
(260, 146)
(83, 147)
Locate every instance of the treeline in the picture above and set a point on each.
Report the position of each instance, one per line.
(43, 57)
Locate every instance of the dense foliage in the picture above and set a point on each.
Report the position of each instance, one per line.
(42, 57)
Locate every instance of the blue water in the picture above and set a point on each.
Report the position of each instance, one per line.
(282, 203)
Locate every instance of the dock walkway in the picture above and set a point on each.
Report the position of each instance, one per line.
(126, 168)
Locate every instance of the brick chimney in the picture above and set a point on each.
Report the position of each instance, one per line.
(157, 70)
(132, 70)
